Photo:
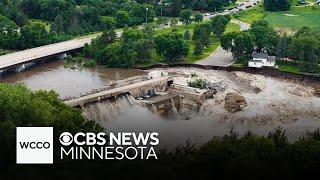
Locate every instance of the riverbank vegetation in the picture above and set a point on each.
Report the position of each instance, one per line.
(301, 49)
(20, 107)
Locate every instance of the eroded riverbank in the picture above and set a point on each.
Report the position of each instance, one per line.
(271, 103)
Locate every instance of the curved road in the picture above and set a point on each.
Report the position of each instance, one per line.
(221, 57)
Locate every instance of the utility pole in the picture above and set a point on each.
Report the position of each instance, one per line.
(147, 15)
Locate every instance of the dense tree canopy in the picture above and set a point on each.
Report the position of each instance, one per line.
(305, 48)
(185, 16)
(265, 38)
(20, 106)
(219, 24)
(240, 43)
(277, 5)
(172, 46)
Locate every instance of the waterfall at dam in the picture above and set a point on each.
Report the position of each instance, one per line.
(110, 110)
(107, 110)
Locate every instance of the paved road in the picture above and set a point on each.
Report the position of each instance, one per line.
(43, 51)
(221, 57)
(241, 6)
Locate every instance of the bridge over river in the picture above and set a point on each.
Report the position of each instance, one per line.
(28, 55)
(136, 89)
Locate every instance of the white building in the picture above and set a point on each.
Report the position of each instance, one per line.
(262, 59)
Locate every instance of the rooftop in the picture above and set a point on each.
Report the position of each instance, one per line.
(260, 55)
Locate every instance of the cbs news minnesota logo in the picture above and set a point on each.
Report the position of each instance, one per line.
(34, 145)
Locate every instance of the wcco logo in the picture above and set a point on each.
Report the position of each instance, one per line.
(34, 145)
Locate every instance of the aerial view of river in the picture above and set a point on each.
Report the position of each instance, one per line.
(68, 82)
(277, 103)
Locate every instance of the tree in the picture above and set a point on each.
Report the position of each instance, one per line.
(185, 16)
(200, 5)
(219, 24)
(8, 34)
(277, 5)
(172, 46)
(122, 18)
(201, 34)
(282, 48)
(107, 37)
(240, 44)
(108, 22)
(227, 40)
(138, 41)
(198, 49)
(265, 38)
(198, 17)
(57, 25)
(176, 7)
(186, 35)
(33, 35)
(19, 106)
(305, 49)
(116, 55)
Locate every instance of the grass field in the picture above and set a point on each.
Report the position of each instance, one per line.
(296, 18)
(287, 21)
(251, 15)
(288, 67)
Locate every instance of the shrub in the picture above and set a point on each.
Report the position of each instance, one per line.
(198, 83)
(90, 63)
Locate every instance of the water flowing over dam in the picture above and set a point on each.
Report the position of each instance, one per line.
(271, 102)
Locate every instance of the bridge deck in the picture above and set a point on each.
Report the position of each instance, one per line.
(117, 91)
(42, 51)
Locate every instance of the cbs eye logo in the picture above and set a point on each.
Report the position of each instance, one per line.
(66, 138)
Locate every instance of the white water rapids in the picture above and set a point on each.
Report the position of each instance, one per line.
(279, 103)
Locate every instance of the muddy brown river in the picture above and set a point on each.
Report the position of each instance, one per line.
(279, 103)
(66, 81)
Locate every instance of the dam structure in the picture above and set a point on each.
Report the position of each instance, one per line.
(136, 90)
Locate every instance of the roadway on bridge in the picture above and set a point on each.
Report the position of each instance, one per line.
(42, 51)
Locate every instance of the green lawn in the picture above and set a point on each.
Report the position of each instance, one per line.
(295, 18)
(287, 21)
(251, 15)
(292, 67)
(232, 27)
(288, 67)
(39, 21)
